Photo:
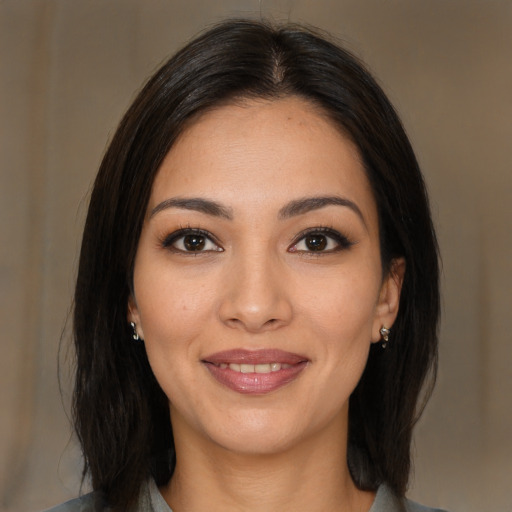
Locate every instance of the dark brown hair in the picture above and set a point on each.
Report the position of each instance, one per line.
(121, 414)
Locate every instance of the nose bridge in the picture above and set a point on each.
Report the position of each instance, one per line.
(256, 295)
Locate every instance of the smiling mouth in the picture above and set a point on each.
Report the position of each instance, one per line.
(255, 368)
(255, 372)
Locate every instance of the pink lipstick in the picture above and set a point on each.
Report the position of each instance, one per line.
(255, 371)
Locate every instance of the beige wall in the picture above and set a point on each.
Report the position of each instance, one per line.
(68, 70)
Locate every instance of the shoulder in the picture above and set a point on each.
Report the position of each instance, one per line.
(87, 503)
(386, 501)
(411, 506)
(150, 500)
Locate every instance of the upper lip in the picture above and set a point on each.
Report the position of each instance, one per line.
(262, 356)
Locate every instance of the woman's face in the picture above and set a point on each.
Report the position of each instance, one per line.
(258, 284)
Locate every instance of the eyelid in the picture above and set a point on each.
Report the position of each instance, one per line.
(343, 241)
(168, 241)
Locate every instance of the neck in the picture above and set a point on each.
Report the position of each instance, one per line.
(311, 476)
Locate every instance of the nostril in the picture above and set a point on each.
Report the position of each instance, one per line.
(254, 312)
(237, 323)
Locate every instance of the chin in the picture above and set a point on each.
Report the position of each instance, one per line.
(254, 442)
(246, 432)
(265, 432)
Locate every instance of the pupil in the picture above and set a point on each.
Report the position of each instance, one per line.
(316, 242)
(194, 242)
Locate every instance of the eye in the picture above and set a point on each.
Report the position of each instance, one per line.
(320, 240)
(191, 241)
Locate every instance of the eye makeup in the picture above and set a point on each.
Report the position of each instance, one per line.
(320, 240)
(191, 240)
(315, 241)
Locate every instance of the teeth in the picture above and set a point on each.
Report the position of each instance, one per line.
(247, 368)
(255, 368)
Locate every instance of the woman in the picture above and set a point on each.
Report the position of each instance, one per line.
(257, 299)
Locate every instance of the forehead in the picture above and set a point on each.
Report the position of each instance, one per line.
(263, 151)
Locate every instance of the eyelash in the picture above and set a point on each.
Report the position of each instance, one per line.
(171, 239)
(342, 242)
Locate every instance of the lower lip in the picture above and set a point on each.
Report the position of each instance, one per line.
(255, 383)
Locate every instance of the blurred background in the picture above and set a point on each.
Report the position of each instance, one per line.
(69, 69)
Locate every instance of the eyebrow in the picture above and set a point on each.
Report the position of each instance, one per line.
(308, 204)
(292, 209)
(194, 203)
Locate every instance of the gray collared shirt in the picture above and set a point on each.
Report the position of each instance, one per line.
(150, 500)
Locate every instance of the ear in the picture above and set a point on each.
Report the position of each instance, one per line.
(134, 316)
(389, 298)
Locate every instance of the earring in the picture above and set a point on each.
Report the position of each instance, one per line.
(135, 334)
(384, 332)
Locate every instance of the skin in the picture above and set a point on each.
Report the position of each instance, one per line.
(256, 285)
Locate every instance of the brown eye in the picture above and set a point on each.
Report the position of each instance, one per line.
(194, 242)
(316, 242)
(320, 240)
(189, 240)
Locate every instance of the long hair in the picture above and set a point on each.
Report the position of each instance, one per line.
(121, 414)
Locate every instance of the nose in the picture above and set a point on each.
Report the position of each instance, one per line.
(256, 298)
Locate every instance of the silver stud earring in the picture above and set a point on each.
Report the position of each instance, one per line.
(135, 334)
(384, 332)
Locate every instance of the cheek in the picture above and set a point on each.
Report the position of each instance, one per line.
(170, 307)
(173, 319)
(173, 316)
(343, 303)
(341, 313)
